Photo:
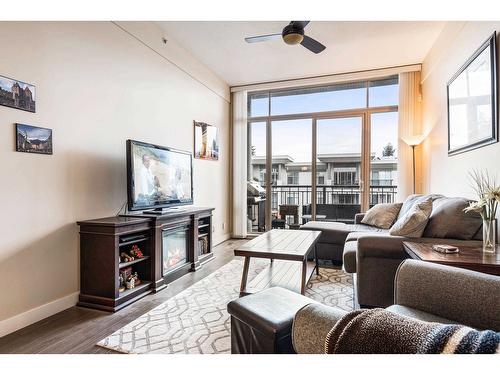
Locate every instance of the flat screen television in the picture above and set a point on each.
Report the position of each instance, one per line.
(158, 177)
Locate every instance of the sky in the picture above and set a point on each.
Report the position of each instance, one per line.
(294, 137)
(6, 84)
(34, 132)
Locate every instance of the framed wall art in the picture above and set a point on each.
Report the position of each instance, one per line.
(206, 142)
(33, 139)
(17, 94)
(472, 101)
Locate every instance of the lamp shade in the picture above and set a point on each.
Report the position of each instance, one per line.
(413, 140)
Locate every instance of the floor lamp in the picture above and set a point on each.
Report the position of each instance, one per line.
(413, 141)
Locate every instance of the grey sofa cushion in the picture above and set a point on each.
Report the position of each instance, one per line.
(382, 215)
(336, 233)
(448, 220)
(331, 232)
(354, 236)
(413, 222)
(349, 256)
(418, 314)
(363, 228)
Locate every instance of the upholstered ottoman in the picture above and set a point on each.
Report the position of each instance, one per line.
(261, 323)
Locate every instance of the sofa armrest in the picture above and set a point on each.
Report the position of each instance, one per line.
(358, 218)
(460, 295)
(311, 326)
(381, 246)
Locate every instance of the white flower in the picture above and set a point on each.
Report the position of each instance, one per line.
(476, 206)
(493, 194)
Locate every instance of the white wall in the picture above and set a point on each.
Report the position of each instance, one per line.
(442, 173)
(98, 84)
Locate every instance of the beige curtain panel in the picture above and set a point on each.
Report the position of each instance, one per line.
(410, 126)
(239, 129)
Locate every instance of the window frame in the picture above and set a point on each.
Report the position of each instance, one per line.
(364, 112)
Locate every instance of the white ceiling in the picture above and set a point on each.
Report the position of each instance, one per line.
(350, 46)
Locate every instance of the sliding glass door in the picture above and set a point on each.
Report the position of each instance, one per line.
(321, 153)
(291, 171)
(257, 176)
(339, 168)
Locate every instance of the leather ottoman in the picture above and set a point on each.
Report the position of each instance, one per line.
(261, 323)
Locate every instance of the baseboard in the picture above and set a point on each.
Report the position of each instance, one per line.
(41, 312)
(36, 314)
(238, 237)
(221, 239)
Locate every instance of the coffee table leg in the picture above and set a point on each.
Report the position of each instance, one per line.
(304, 275)
(316, 260)
(244, 277)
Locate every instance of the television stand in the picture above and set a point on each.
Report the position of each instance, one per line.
(163, 211)
(102, 241)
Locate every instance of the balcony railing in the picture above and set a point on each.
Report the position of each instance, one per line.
(338, 203)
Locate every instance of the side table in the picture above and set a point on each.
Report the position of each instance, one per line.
(469, 257)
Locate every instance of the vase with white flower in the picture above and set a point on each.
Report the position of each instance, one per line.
(488, 192)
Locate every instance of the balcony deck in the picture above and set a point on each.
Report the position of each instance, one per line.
(335, 202)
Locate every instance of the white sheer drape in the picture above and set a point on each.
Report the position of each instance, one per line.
(239, 128)
(409, 125)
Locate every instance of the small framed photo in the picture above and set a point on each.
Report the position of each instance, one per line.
(33, 139)
(472, 101)
(17, 94)
(206, 141)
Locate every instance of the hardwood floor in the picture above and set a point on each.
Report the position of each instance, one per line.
(77, 330)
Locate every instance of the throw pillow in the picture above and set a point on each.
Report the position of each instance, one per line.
(415, 199)
(413, 222)
(448, 220)
(382, 215)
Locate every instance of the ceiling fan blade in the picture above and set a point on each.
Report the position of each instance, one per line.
(262, 38)
(300, 24)
(312, 44)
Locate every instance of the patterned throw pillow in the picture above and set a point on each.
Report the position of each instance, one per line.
(413, 222)
(415, 199)
(382, 215)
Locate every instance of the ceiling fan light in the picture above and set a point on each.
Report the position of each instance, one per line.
(293, 38)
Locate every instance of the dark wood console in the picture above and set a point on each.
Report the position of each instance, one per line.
(173, 244)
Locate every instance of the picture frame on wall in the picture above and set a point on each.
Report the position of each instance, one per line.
(17, 94)
(206, 141)
(473, 102)
(33, 139)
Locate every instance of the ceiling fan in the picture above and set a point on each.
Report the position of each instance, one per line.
(293, 33)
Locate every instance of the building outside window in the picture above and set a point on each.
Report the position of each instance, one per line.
(293, 178)
(345, 176)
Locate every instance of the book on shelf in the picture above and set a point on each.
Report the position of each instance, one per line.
(203, 245)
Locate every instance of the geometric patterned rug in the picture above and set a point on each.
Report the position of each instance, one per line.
(196, 320)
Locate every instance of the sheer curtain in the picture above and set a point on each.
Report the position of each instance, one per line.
(239, 128)
(409, 125)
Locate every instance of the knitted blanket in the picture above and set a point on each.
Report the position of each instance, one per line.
(379, 331)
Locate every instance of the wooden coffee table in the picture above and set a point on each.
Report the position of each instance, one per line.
(469, 257)
(290, 249)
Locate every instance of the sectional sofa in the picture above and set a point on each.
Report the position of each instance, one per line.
(373, 255)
